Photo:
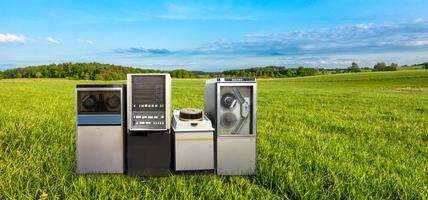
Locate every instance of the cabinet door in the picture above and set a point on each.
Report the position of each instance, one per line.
(236, 156)
(235, 110)
(99, 149)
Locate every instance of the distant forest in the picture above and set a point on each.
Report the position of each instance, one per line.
(99, 71)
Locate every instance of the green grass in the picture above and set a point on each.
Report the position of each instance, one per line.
(348, 136)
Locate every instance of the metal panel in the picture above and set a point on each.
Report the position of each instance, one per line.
(210, 101)
(235, 149)
(236, 156)
(194, 151)
(100, 145)
(99, 149)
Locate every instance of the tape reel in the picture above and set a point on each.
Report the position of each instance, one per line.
(190, 114)
(228, 120)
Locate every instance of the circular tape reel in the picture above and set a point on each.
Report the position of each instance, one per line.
(190, 114)
(113, 101)
(90, 102)
(228, 100)
(228, 120)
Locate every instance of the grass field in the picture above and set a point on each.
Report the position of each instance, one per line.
(350, 136)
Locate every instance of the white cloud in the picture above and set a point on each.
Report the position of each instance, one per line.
(53, 40)
(12, 38)
(402, 43)
(352, 38)
(85, 41)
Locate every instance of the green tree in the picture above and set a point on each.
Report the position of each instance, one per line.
(39, 75)
(384, 67)
(393, 67)
(379, 66)
(301, 71)
(181, 73)
(354, 67)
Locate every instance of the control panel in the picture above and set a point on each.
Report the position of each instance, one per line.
(149, 119)
(148, 102)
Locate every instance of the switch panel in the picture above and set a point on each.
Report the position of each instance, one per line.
(149, 101)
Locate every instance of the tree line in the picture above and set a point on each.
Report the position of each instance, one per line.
(85, 71)
(99, 71)
(273, 72)
(423, 65)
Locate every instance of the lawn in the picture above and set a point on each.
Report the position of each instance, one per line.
(352, 136)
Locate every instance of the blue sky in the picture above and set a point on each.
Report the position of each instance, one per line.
(214, 35)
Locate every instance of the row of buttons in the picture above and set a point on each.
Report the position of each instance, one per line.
(148, 105)
(143, 123)
(147, 117)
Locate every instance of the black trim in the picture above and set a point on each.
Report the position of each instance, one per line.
(125, 125)
(173, 157)
(237, 80)
(100, 85)
(148, 153)
(194, 172)
(252, 109)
